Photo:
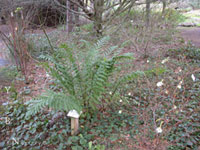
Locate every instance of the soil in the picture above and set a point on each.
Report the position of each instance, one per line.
(191, 34)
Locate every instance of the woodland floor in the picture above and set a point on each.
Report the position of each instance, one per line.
(38, 75)
(39, 80)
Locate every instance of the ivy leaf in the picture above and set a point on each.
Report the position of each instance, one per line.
(2, 144)
(61, 146)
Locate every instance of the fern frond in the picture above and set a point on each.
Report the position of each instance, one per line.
(64, 78)
(101, 43)
(127, 78)
(94, 52)
(51, 99)
(83, 79)
(125, 56)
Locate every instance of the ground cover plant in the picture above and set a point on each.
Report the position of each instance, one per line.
(138, 87)
(162, 112)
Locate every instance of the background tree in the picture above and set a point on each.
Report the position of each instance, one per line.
(148, 11)
(164, 2)
(100, 12)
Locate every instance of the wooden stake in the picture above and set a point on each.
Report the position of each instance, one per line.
(74, 115)
(74, 126)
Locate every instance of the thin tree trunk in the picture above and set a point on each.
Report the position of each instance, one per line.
(69, 17)
(148, 11)
(76, 15)
(98, 15)
(164, 6)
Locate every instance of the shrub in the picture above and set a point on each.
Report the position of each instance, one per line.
(82, 77)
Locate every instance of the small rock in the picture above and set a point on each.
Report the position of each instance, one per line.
(187, 24)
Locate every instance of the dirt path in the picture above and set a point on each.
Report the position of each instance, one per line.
(191, 34)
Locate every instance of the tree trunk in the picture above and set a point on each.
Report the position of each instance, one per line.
(98, 15)
(164, 6)
(76, 16)
(69, 17)
(148, 11)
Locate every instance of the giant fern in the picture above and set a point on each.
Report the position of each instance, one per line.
(82, 76)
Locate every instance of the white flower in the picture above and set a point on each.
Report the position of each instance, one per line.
(159, 130)
(174, 107)
(159, 84)
(110, 93)
(193, 77)
(120, 111)
(147, 61)
(129, 94)
(165, 60)
(120, 101)
(12, 15)
(179, 85)
(178, 70)
(131, 21)
(166, 92)
(15, 140)
(47, 75)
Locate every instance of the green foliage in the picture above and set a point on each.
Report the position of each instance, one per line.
(190, 52)
(178, 108)
(133, 14)
(8, 73)
(39, 44)
(139, 106)
(58, 101)
(106, 128)
(35, 132)
(87, 27)
(191, 17)
(82, 76)
(21, 132)
(185, 131)
(173, 16)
